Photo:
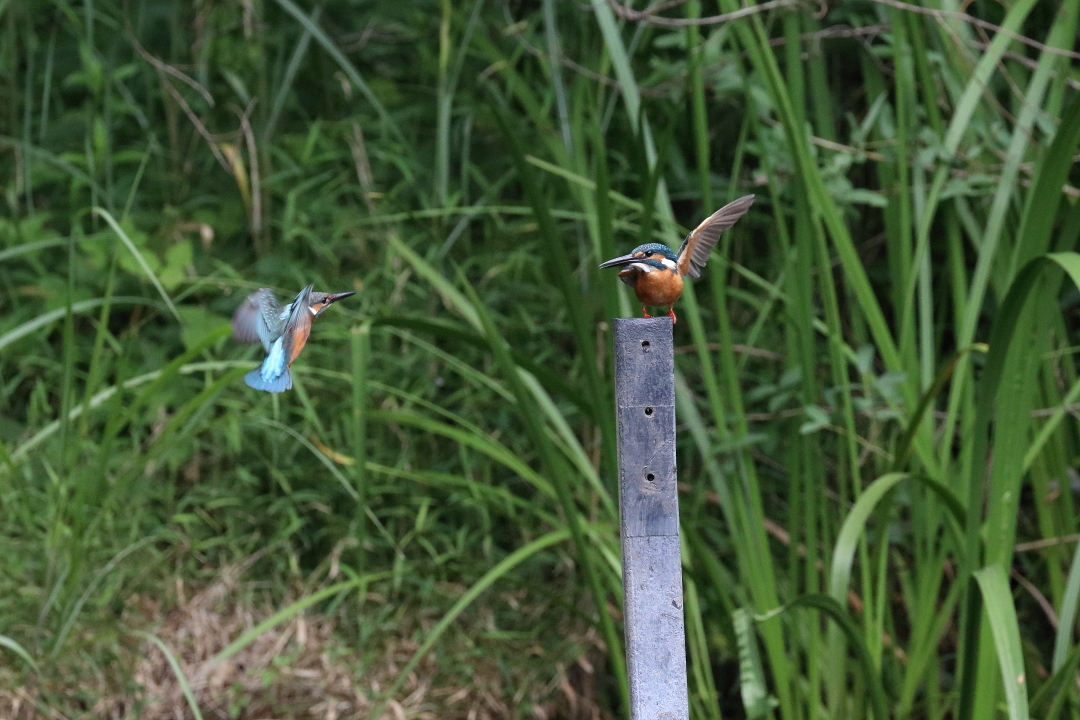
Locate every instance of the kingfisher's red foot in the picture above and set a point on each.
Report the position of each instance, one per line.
(671, 313)
(644, 312)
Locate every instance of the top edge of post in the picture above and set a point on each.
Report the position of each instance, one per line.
(644, 362)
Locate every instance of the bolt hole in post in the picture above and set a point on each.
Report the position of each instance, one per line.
(645, 346)
(650, 477)
(648, 411)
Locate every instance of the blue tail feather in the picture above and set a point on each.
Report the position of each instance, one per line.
(281, 383)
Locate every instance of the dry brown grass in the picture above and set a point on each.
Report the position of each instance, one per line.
(303, 669)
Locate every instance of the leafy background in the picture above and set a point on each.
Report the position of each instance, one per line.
(875, 376)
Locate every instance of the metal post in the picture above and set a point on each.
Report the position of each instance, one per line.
(649, 510)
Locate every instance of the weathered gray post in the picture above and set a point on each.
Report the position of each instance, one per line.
(649, 510)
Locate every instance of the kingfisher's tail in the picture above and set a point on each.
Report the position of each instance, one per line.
(281, 383)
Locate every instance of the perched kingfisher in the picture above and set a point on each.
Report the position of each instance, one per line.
(283, 331)
(656, 273)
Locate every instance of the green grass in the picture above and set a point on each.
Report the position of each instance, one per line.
(876, 381)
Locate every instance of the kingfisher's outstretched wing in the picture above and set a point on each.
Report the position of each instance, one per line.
(257, 319)
(695, 250)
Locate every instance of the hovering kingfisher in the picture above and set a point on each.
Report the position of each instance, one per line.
(656, 273)
(283, 331)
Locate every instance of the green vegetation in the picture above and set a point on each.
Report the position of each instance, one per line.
(876, 379)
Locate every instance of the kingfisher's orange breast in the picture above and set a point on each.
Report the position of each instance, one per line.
(300, 338)
(660, 287)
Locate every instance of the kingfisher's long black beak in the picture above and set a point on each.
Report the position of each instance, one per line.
(334, 297)
(620, 261)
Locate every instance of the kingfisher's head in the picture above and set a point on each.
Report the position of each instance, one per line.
(650, 256)
(319, 301)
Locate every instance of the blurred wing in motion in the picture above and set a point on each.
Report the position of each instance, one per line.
(695, 250)
(254, 319)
